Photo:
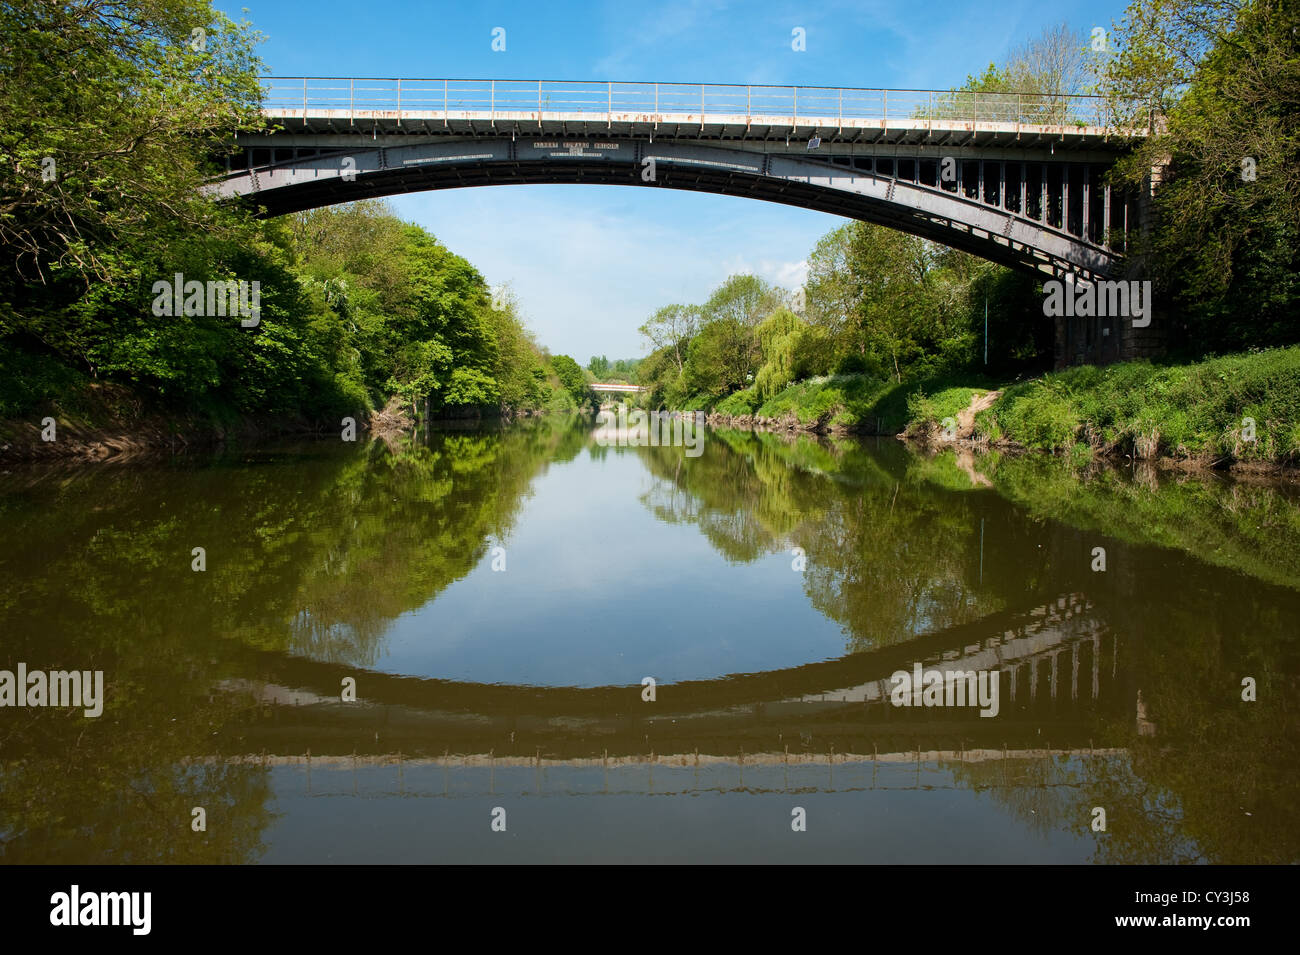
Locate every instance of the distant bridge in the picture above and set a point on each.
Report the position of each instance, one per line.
(634, 389)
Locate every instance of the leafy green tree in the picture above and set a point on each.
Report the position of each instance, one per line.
(625, 369)
(574, 381)
(889, 275)
(112, 110)
(110, 115)
(744, 300)
(1218, 81)
(792, 350)
(715, 365)
(518, 368)
(659, 374)
(726, 354)
(671, 328)
(420, 318)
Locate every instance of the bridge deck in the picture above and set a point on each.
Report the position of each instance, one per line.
(687, 111)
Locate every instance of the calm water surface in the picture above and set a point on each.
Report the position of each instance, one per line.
(499, 596)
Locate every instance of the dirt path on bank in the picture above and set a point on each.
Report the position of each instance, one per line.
(966, 419)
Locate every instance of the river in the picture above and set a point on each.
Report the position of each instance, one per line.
(516, 644)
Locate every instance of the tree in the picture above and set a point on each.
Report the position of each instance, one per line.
(832, 295)
(625, 369)
(731, 316)
(110, 115)
(869, 287)
(112, 112)
(1035, 84)
(1052, 67)
(1157, 51)
(517, 370)
(719, 360)
(792, 349)
(743, 299)
(1222, 80)
(575, 383)
(672, 327)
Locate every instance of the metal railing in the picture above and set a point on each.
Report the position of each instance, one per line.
(806, 105)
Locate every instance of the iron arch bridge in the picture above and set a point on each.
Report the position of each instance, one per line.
(1017, 179)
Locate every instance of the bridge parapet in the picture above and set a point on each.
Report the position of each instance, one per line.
(357, 99)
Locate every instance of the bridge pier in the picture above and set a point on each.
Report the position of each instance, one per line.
(1101, 340)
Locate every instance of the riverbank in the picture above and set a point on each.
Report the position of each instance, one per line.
(1237, 411)
(110, 423)
(79, 441)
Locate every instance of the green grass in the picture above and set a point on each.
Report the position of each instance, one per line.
(852, 401)
(857, 402)
(1193, 411)
(1196, 410)
(814, 400)
(932, 409)
(744, 402)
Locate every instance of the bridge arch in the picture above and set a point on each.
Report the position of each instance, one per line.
(1027, 195)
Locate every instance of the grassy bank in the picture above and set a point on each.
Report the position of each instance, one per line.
(1236, 409)
(858, 403)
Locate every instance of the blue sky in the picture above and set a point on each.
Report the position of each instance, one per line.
(588, 264)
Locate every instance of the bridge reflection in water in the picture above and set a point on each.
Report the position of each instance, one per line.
(684, 774)
(825, 727)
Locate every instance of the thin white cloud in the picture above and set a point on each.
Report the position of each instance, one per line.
(786, 274)
(641, 40)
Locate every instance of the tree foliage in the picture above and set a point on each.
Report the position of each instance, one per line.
(110, 115)
(1218, 81)
(574, 381)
